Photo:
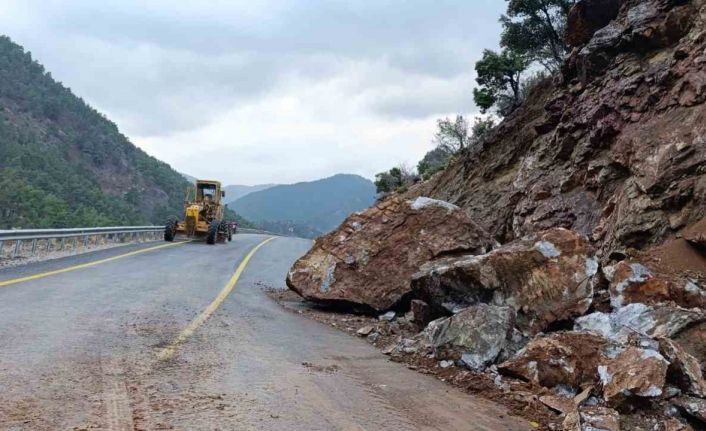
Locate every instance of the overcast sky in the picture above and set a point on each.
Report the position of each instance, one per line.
(265, 91)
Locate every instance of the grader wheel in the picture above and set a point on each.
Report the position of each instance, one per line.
(212, 232)
(170, 229)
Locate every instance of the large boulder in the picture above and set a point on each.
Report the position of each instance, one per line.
(369, 259)
(632, 282)
(545, 277)
(475, 335)
(561, 359)
(634, 372)
(655, 321)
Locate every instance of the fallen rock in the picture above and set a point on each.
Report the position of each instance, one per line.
(563, 405)
(370, 258)
(632, 282)
(365, 330)
(694, 407)
(653, 321)
(693, 340)
(545, 277)
(421, 313)
(672, 424)
(476, 335)
(684, 370)
(374, 337)
(696, 235)
(445, 364)
(634, 372)
(592, 418)
(561, 358)
(387, 317)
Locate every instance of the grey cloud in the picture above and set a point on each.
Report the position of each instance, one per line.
(164, 69)
(201, 66)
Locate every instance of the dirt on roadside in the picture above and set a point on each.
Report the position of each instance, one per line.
(519, 397)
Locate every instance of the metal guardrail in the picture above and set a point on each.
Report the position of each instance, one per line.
(256, 231)
(58, 239)
(48, 236)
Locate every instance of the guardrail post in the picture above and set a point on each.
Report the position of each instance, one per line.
(61, 245)
(18, 244)
(85, 241)
(1, 245)
(34, 246)
(48, 245)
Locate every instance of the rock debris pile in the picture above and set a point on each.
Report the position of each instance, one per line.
(570, 253)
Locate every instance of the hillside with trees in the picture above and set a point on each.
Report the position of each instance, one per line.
(307, 209)
(532, 50)
(64, 164)
(237, 191)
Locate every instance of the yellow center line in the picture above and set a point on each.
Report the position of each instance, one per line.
(169, 351)
(85, 265)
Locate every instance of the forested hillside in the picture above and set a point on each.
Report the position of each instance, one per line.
(235, 192)
(307, 209)
(64, 164)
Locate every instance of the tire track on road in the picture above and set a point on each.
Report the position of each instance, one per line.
(118, 406)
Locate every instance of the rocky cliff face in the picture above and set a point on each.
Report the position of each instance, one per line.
(614, 148)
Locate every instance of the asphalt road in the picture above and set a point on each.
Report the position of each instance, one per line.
(131, 344)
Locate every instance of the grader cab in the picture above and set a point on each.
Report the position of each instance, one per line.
(203, 215)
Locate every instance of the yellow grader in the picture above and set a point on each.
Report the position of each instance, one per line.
(203, 215)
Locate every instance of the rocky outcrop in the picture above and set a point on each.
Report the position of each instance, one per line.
(616, 151)
(586, 17)
(369, 259)
(545, 277)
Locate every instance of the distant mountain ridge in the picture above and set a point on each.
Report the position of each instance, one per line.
(235, 191)
(307, 209)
